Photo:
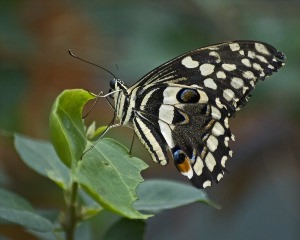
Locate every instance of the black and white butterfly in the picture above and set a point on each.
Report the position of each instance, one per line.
(183, 106)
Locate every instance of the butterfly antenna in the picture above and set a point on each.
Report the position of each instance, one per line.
(96, 65)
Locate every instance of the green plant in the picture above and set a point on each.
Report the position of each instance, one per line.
(103, 182)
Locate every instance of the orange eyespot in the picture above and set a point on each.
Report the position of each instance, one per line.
(185, 166)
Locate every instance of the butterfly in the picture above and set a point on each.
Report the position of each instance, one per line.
(183, 106)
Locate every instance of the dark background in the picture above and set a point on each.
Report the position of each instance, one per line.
(260, 197)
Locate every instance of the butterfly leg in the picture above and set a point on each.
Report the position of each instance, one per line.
(132, 142)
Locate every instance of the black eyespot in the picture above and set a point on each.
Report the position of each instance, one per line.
(180, 117)
(112, 84)
(187, 95)
(179, 156)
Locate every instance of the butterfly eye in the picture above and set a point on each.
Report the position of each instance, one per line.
(112, 83)
(186, 95)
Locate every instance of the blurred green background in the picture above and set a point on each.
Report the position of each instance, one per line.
(261, 195)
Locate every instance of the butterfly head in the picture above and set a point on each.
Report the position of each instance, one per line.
(116, 85)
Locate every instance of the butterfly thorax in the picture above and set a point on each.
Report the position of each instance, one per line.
(122, 99)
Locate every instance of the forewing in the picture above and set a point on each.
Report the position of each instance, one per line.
(229, 70)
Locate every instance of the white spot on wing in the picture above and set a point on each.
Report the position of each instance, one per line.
(232, 137)
(207, 69)
(198, 167)
(237, 83)
(251, 54)
(228, 67)
(206, 184)
(212, 143)
(219, 177)
(210, 161)
(188, 62)
(218, 129)
(223, 160)
(246, 62)
(221, 74)
(228, 94)
(209, 83)
(226, 140)
(234, 47)
(261, 48)
(226, 124)
(262, 59)
(257, 67)
(215, 113)
(248, 75)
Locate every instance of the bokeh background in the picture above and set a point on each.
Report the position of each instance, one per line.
(260, 197)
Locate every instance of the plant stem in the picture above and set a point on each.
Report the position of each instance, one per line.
(71, 214)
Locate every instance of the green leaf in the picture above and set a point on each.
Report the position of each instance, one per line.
(47, 235)
(158, 195)
(41, 157)
(92, 133)
(111, 176)
(105, 219)
(126, 229)
(83, 231)
(17, 210)
(66, 125)
(89, 207)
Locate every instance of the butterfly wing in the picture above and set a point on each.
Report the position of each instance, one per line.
(184, 104)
